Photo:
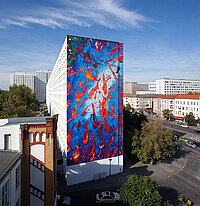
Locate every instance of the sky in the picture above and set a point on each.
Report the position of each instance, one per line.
(161, 38)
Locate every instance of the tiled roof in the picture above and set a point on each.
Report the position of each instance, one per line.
(166, 96)
(187, 96)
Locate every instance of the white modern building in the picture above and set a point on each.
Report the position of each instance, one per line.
(23, 78)
(168, 86)
(10, 178)
(139, 102)
(186, 104)
(60, 85)
(42, 78)
(36, 82)
(162, 102)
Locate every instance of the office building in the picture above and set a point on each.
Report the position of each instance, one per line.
(133, 87)
(35, 139)
(168, 86)
(86, 90)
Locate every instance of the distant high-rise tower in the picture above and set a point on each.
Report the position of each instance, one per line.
(36, 82)
(40, 86)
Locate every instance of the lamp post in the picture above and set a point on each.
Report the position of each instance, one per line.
(110, 160)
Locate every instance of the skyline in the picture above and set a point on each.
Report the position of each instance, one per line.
(161, 39)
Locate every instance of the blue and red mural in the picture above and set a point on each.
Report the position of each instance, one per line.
(94, 99)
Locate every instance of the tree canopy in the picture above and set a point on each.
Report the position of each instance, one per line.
(153, 142)
(189, 118)
(19, 101)
(140, 190)
(167, 114)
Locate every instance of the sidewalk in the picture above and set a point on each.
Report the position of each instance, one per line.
(157, 172)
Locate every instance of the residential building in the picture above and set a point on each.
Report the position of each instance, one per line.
(162, 102)
(41, 82)
(35, 139)
(86, 90)
(23, 78)
(168, 86)
(133, 87)
(186, 104)
(10, 178)
(36, 82)
(139, 102)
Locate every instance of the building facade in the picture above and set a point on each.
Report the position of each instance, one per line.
(186, 104)
(133, 87)
(168, 86)
(10, 178)
(139, 102)
(35, 138)
(37, 82)
(86, 90)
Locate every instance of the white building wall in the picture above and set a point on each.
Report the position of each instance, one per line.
(14, 193)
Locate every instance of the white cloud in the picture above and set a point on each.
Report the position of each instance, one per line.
(107, 13)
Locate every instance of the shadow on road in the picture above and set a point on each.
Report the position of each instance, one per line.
(169, 194)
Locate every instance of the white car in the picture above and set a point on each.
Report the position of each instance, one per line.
(184, 125)
(107, 197)
(190, 144)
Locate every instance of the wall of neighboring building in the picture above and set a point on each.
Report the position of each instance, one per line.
(8, 184)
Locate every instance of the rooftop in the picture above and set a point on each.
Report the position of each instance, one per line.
(188, 96)
(166, 96)
(7, 160)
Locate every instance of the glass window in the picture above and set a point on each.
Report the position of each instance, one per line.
(43, 136)
(30, 137)
(17, 173)
(37, 137)
(7, 138)
(49, 138)
(4, 195)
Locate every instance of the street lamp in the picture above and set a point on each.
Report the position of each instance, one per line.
(110, 160)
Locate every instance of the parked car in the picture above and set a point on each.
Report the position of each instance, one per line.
(107, 197)
(183, 139)
(184, 125)
(191, 144)
(63, 200)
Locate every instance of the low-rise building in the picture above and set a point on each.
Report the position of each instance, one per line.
(35, 138)
(10, 178)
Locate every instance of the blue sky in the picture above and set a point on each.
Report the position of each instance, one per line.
(161, 38)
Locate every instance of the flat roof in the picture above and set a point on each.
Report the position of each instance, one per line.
(7, 160)
(24, 120)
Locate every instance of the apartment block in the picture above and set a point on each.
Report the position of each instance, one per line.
(86, 90)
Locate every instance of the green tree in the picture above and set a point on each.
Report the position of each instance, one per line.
(20, 102)
(167, 114)
(153, 142)
(140, 190)
(128, 107)
(190, 118)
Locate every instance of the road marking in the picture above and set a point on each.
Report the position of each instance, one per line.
(195, 156)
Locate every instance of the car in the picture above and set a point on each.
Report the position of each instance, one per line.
(183, 139)
(107, 197)
(191, 144)
(184, 125)
(63, 200)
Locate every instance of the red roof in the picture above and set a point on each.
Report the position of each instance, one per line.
(188, 96)
(166, 96)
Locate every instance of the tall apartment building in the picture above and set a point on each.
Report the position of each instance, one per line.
(168, 86)
(41, 82)
(36, 82)
(133, 87)
(23, 78)
(35, 139)
(86, 90)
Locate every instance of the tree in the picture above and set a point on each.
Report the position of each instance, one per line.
(20, 102)
(167, 114)
(140, 190)
(128, 107)
(190, 118)
(153, 142)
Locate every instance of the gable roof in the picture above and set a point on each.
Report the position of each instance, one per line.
(188, 96)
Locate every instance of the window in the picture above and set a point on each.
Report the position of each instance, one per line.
(43, 137)
(49, 138)
(37, 137)
(30, 137)
(7, 138)
(18, 203)
(4, 195)
(17, 173)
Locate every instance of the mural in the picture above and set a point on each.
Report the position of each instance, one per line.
(94, 99)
